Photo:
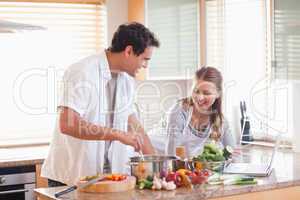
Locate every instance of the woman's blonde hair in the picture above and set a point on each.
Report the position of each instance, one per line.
(213, 75)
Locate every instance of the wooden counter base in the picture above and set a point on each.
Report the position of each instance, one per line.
(290, 193)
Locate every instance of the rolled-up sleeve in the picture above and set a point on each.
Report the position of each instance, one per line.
(77, 91)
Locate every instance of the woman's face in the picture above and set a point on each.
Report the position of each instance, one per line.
(204, 95)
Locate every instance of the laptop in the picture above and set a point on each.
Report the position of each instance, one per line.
(252, 169)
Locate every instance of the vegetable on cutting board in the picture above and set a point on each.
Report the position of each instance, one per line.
(115, 177)
(109, 177)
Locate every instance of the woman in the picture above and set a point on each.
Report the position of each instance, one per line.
(198, 119)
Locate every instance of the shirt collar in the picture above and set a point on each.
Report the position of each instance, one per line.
(105, 71)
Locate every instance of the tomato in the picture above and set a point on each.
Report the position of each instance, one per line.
(171, 177)
(199, 173)
(206, 173)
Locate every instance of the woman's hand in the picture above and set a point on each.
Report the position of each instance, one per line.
(237, 153)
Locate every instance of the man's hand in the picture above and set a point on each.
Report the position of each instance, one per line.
(134, 140)
(134, 126)
(72, 124)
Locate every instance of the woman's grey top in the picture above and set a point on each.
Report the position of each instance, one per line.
(181, 133)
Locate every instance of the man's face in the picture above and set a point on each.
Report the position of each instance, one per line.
(135, 63)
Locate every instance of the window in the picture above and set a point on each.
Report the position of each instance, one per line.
(237, 44)
(285, 69)
(175, 23)
(214, 23)
(32, 62)
(286, 40)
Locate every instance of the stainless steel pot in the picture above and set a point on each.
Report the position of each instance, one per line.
(152, 165)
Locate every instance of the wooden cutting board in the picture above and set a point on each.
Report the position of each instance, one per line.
(111, 186)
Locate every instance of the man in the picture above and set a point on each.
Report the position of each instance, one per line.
(96, 129)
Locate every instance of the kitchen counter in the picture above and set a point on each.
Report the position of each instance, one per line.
(286, 175)
(20, 156)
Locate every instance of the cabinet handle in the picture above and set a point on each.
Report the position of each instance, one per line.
(2, 180)
(13, 191)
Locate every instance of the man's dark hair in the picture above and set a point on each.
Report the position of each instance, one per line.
(134, 34)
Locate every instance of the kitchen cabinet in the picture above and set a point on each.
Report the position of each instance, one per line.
(283, 183)
(290, 193)
(23, 164)
(17, 182)
(40, 181)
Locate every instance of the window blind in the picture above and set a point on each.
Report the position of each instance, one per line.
(61, 1)
(286, 43)
(82, 25)
(215, 33)
(176, 24)
(32, 62)
(285, 71)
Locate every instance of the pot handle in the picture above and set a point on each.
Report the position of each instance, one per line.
(132, 163)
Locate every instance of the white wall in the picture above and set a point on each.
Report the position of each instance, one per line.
(117, 13)
(156, 97)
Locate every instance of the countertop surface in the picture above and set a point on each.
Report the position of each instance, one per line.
(20, 156)
(286, 173)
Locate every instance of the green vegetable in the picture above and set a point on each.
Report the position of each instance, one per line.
(88, 178)
(218, 158)
(212, 148)
(150, 178)
(141, 185)
(212, 152)
(206, 151)
(246, 178)
(145, 184)
(242, 182)
(237, 180)
(210, 156)
(148, 184)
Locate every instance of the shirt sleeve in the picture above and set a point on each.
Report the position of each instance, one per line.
(227, 137)
(77, 90)
(175, 126)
